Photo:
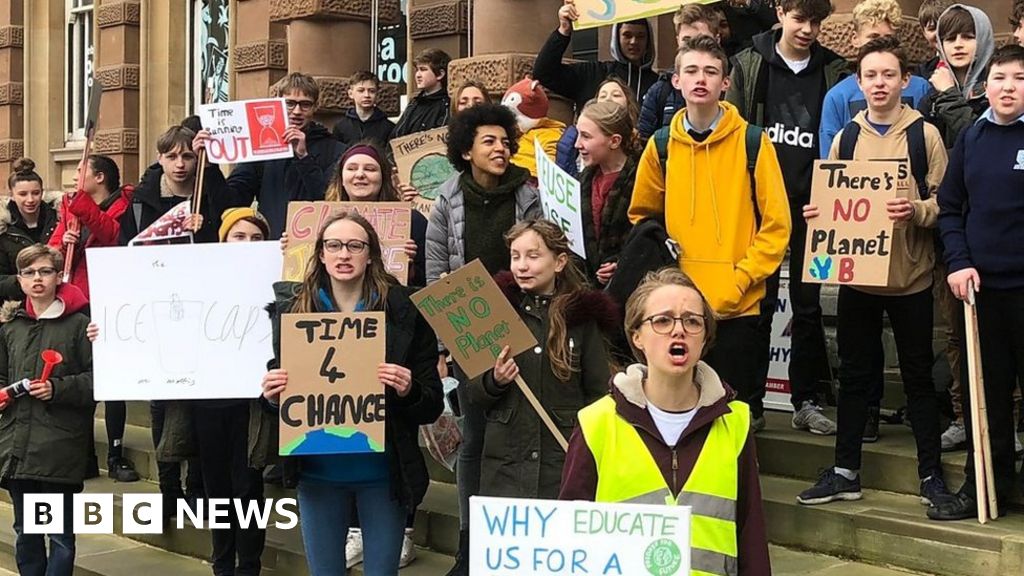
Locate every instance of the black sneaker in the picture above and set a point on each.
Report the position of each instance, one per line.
(870, 435)
(960, 506)
(831, 486)
(934, 491)
(274, 474)
(121, 470)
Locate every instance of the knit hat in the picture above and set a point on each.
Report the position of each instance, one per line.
(231, 217)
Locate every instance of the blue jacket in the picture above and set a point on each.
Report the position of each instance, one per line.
(981, 208)
(845, 100)
(566, 154)
(651, 117)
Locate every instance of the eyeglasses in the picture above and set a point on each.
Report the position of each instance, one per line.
(44, 272)
(354, 247)
(304, 105)
(693, 324)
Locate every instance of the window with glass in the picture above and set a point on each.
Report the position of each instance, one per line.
(79, 66)
(208, 52)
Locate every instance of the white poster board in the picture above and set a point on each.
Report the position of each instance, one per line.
(777, 390)
(520, 537)
(182, 322)
(246, 130)
(560, 199)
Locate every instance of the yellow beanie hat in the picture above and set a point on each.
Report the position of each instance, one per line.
(231, 216)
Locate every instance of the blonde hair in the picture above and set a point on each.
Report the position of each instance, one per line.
(637, 305)
(690, 14)
(613, 119)
(872, 12)
(569, 285)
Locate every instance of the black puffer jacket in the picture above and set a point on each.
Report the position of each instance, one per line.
(14, 235)
(351, 129)
(425, 112)
(147, 205)
(410, 343)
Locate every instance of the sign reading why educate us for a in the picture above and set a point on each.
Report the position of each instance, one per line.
(517, 537)
(246, 130)
(595, 13)
(422, 160)
(850, 242)
(334, 402)
(560, 199)
(473, 318)
(391, 220)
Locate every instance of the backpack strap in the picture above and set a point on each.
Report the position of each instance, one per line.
(753, 144)
(662, 101)
(661, 143)
(918, 152)
(848, 140)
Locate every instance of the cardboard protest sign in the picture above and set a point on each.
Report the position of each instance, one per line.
(850, 242)
(594, 13)
(422, 160)
(519, 537)
(246, 130)
(560, 199)
(391, 220)
(182, 321)
(334, 402)
(473, 318)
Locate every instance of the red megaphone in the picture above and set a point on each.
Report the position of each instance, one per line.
(50, 359)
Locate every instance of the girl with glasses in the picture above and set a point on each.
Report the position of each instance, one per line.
(672, 432)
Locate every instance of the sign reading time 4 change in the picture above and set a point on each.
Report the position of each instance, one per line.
(517, 537)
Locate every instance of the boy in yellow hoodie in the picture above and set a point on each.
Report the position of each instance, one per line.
(732, 226)
(886, 130)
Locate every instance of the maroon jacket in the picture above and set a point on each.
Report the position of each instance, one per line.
(579, 477)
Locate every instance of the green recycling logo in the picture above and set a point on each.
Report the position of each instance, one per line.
(663, 558)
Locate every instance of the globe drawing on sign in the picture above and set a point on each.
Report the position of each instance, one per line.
(332, 441)
(429, 172)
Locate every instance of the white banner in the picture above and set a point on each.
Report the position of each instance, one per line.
(182, 322)
(519, 537)
(777, 390)
(246, 130)
(560, 199)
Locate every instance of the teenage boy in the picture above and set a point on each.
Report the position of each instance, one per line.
(1017, 21)
(698, 179)
(957, 97)
(632, 46)
(275, 183)
(928, 18)
(45, 434)
(663, 99)
(981, 217)
(780, 83)
(431, 107)
(871, 19)
(364, 120)
(889, 129)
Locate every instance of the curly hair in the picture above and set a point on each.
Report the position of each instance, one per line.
(873, 12)
(463, 126)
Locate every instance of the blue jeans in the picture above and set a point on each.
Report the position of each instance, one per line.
(30, 549)
(325, 511)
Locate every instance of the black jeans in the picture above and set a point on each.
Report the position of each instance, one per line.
(223, 434)
(170, 472)
(1001, 333)
(859, 332)
(30, 549)
(735, 357)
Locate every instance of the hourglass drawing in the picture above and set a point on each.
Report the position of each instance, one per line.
(268, 138)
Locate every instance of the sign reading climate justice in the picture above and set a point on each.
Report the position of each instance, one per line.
(473, 318)
(245, 130)
(850, 242)
(515, 537)
(334, 402)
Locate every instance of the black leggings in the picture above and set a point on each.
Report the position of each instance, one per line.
(115, 415)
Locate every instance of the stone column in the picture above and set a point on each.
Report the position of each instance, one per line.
(117, 69)
(164, 80)
(12, 118)
(259, 55)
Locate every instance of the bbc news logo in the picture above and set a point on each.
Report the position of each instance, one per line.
(144, 514)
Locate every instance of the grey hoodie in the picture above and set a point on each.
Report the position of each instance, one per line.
(975, 78)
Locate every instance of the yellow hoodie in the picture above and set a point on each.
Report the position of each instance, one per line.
(708, 210)
(548, 131)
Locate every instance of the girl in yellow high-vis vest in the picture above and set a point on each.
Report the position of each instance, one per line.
(671, 432)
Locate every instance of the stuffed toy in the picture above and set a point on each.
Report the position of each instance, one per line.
(529, 103)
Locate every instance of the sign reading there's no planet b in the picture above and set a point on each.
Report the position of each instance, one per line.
(422, 160)
(473, 318)
(334, 402)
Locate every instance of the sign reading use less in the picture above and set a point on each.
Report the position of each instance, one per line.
(560, 199)
(246, 130)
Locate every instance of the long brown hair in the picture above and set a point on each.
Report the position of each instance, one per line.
(336, 190)
(376, 281)
(569, 285)
(614, 119)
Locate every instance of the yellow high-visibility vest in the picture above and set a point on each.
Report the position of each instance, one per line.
(626, 472)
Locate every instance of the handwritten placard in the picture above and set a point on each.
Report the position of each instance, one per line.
(246, 130)
(422, 160)
(182, 321)
(518, 537)
(560, 199)
(391, 220)
(334, 402)
(473, 318)
(850, 242)
(595, 13)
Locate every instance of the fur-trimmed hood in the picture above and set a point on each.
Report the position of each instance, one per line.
(590, 305)
(51, 199)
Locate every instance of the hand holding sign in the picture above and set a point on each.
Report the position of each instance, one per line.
(247, 131)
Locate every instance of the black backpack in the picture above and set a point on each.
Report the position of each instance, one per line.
(915, 149)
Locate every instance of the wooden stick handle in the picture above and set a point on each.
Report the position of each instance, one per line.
(197, 194)
(532, 398)
(979, 416)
